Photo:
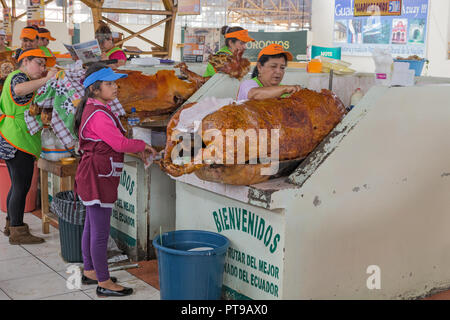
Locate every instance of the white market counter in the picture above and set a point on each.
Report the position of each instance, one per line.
(364, 216)
(146, 202)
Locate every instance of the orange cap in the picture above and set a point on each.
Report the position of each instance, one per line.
(240, 35)
(50, 61)
(273, 49)
(46, 35)
(28, 33)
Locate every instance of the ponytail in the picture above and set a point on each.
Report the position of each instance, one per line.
(89, 93)
(255, 72)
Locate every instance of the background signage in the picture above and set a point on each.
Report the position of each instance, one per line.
(294, 42)
(403, 35)
(36, 13)
(381, 7)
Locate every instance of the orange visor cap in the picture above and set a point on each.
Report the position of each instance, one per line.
(28, 33)
(46, 35)
(240, 35)
(273, 49)
(50, 61)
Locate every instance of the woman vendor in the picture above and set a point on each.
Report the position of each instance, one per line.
(17, 147)
(44, 38)
(267, 76)
(109, 51)
(235, 40)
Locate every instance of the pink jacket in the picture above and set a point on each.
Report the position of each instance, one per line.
(101, 126)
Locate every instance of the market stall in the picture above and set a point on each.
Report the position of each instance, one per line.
(145, 204)
(371, 196)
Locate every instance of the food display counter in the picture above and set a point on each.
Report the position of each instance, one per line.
(146, 203)
(364, 216)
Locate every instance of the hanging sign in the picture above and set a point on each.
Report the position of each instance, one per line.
(70, 25)
(403, 35)
(380, 7)
(35, 13)
(7, 26)
(188, 7)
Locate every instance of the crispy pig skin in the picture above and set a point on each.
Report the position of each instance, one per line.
(152, 95)
(303, 120)
(7, 65)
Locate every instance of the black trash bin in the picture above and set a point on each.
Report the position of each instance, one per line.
(71, 224)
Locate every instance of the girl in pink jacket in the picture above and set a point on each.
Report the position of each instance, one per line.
(102, 144)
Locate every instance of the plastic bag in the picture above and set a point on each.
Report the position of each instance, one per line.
(383, 66)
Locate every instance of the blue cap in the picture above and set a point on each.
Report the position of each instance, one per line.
(133, 109)
(105, 74)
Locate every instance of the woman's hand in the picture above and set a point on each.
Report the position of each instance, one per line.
(148, 151)
(272, 92)
(51, 72)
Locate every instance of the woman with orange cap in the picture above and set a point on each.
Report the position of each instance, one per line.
(267, 75)
(29, 38)
(44, 38)
(17, 146)
(235, 40)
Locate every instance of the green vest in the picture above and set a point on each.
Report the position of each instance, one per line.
(110, 52)
(209, 68)
(261, 85)
(12, 123)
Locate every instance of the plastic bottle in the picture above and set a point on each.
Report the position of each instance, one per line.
(61, 151)
(356, 97)
(133, 120)
(52, 148)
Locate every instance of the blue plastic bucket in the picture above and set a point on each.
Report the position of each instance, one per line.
(416, 65)
(191, 264)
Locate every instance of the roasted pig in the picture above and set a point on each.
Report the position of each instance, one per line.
(235, 66)
(157, 94)
(7, 65)
(302, 120)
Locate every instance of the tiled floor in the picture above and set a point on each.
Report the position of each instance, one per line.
(38, 272)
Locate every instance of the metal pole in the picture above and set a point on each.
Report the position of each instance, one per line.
(330, 82)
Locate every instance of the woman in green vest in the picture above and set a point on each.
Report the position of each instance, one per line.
(267, 76)
(109, 50)
(235, 40)
(17, 147)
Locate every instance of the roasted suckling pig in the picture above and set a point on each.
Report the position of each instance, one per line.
(7, 65)
(157, 94)
(235, 66)
(302, 120)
